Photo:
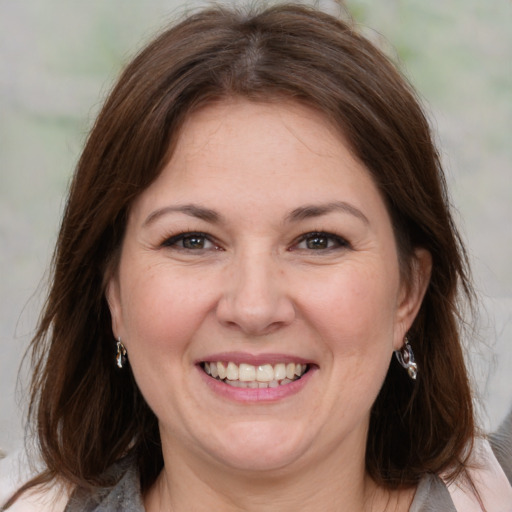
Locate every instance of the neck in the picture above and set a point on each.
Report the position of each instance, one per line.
(336, 483)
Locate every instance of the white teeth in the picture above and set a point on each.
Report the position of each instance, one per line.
(250, 376)
(279, 371)
(221, 369)
(247, 372)
(265, 373)
(232, 371)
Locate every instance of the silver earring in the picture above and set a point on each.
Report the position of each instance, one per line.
(405, 357)
(121, 353)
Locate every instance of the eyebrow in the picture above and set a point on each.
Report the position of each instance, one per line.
(188, 209)
(298, 214)
(317, 210)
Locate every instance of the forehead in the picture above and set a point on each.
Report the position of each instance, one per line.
(253, 125)
(262, 153)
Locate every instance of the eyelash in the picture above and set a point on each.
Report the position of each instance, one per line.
(173, 241)
(333, 241)
(339, 242)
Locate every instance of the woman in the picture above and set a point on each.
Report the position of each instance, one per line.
(257, 223)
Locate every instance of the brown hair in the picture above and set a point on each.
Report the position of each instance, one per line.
(87, 413)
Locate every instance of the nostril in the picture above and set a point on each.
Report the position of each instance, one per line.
(255, 317)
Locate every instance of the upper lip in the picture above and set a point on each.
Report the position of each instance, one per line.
(254, 359)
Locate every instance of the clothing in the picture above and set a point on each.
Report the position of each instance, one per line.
(432, 494)
(125, 496)
(501, 442)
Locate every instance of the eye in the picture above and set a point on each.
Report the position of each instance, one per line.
(318, 241)
(190, 242)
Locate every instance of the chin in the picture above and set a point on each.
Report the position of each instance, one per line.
(257, 447)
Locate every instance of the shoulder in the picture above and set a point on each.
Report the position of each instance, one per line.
(432, 496)
(434, 493)
(501, 444)
(14, 472)
(123, 493)
(489, 479)
(52, 499)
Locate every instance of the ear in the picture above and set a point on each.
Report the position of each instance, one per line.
(412, 293)
(113, 296)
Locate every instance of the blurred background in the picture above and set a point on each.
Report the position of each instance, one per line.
(58, 59)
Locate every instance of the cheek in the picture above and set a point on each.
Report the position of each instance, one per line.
(161, 313)
(356, 306)
(354, 314)
(161, 310)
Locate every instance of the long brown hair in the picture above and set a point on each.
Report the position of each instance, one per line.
(87, 413)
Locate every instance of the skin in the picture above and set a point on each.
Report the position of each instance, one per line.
(261, 284)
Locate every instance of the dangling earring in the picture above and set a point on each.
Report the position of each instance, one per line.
(121, 353)
(405, 357)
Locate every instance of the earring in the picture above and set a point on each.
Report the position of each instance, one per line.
(405, 357)
(121, 353)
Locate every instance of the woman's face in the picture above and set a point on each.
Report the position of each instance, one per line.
(263, 253)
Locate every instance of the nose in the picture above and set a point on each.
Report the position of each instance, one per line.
(256, 297)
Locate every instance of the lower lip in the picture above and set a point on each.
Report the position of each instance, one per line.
(257, 394)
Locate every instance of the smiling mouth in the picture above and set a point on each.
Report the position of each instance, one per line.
(249, 376)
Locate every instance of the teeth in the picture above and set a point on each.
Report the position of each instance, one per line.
(247, 373)
(265, 373)
(249, 376)
(232, 371)
(221, 370)
(279, 371)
